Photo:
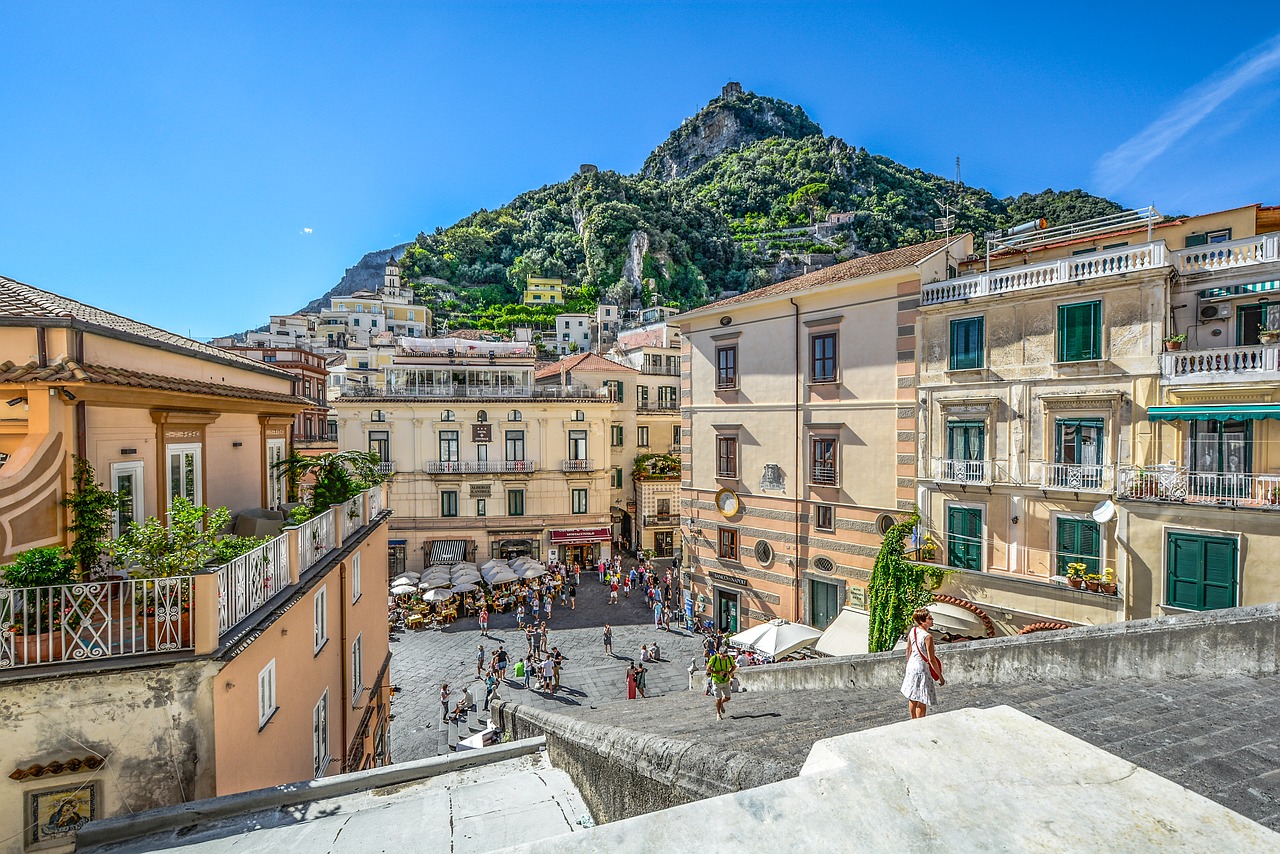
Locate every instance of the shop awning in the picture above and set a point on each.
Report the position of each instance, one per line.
(847, 635)
(1229, 412)
(1239, 290)
(447, 551)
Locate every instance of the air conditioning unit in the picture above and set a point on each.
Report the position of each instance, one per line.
(1216, 311)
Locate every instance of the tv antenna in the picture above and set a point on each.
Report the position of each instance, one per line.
(946, 222)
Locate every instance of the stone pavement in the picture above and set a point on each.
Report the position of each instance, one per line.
(1218, 736)
(422, 660)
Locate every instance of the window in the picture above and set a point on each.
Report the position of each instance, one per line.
(275, 474)
(1219, 236)
(664, 506)
(824, 462)
(514, 415)
(822, 358)
(448, 503)
(967, 343)
(1080, 332)
(642, 397)
(667, 397)
(579, 500)
(1201, 572)
(320, 734)
(447, 415)
(1078, 453)
(321, 605)
(1222, 456)
(966, 451)
(964, 537)
(126, 482)
(355, 577)
(183, 473)
(764, 553)
(1079, 541)
(357, 668)
(727, 456)
(481, 507)
(579, 415)
(729, 543)
(617, 477)
(515, 502)
(577, 444)
(824, 517)
(267, 693)
(515, 446)
(377, 415)
(448, 446)
(615, 435)
(727, 367)
(482, 453)
(642, 436)
(482, 416)
(824, 603)
(616, 385)
(380, 444)
(675, 435)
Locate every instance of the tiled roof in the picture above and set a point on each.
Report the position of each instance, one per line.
(73, 372)
(583, 362)
(18, 300)
(881, 262)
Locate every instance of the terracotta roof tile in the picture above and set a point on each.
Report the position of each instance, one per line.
(73, 372)
(583, 362)
(881, 262)
(19, 300)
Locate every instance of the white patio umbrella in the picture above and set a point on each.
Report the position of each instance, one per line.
(464, 587)
(403, 589)
(776, 638)
(464, 564)
(428, 584)
(493, 563)
(409, 573)
(440, 567)
(438, 595)
(466, 575)
(405, 579)
(504, 578)
(534, 571)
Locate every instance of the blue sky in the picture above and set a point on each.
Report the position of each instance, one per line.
(201, 166)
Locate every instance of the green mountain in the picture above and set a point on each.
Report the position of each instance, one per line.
(725, 204)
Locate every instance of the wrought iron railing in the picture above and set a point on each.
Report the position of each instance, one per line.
(480, 467)
(824, 474)
(963, 471)
(1178, 484)
(1079, 478)
(578, 465)
(315, 537)
(247, 582)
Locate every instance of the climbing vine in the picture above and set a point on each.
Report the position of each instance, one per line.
(898, 586)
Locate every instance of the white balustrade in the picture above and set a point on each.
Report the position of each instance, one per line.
(1220, 363)
(247, 582)
(1212, 257)
(375, 501)
(963, 471)
(94, 620)
(352, 516)
(315, 538)
(1095, 265)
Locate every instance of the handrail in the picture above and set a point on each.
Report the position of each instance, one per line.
(248, 581)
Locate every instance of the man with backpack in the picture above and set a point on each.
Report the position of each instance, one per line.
(720, 667)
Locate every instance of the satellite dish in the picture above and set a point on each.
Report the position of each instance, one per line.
(1104, 512)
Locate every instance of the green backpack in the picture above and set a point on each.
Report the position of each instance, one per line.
(520, 669)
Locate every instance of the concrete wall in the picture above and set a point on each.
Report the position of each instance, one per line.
(623, 774)
(1238, 640)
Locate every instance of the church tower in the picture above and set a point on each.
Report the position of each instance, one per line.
(391, 279)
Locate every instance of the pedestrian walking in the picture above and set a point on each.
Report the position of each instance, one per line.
(444, 699)
(608, 639)
(640, 674)
(694, 667)
(490, 690)
(484, 620)
(479, 661)
(546, 607)
(657, 615)
(613, 591)
(528, 636)
(721, 669)
(631, 680)
(536, 643)
(923, 667)
(528, 668)
(546, 639)
(549, 675)
(500, 660)
(573, 596)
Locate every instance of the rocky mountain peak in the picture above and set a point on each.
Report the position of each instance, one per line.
(734, 119)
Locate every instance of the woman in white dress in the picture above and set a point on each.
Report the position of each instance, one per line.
(918, 684)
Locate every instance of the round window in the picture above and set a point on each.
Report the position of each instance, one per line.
(764, 553)
(884, 523)
(823, 564)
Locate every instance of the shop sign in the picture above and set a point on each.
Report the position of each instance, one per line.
(729, 579)
(581, 535)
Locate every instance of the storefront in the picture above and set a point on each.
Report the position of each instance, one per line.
(584, 546)
(509, 545)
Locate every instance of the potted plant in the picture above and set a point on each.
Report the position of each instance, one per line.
(35, 616)
(1108, 585)
(1174, 342)
(1268, 336)
(1273, 495)
(928, 549)
(1075, 574)
(1091, 581)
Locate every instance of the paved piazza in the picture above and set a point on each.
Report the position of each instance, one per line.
(421, 660)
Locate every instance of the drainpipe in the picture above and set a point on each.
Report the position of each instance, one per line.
(342, 655)
(795, 570)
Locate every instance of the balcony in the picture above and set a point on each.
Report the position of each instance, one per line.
(484, 467)
(1175, 484)
(1260, 362)
(98, 620)
(386, 468)
(660, 370)
(438, 392)
(962, 471)
(1076, 478)
(1078, 268)
(578, 465)
(668, 520)
(672, 406)
(1216, 257)
(824, 474)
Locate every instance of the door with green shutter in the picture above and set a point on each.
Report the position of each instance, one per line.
(1202, 572)
(964, 537)
(1079, 541)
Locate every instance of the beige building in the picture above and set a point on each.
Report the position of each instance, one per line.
(1052, 430)
(799, 424)
(127, 693)
(352, 322)
(488, 463)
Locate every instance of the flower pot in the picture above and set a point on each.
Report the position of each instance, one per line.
(1173, 345)
(1091, 586)
(41, 648)
(1109, 589)
(1075, 582)
(165, 635)
(1269, 337)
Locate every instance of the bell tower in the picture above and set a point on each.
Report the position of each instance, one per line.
(391, 279)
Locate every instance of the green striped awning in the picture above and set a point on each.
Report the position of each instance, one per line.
(1239, 290)
(1230, 412)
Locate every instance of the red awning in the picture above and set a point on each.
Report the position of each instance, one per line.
(582, 535)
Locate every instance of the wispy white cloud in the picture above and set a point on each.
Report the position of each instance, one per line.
(305, 231)
(1118, 166)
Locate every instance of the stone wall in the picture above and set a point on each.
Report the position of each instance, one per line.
(1235, 640)
(622, 774)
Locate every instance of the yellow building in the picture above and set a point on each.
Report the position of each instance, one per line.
(170, 689)
(799, 418)
(543, 291)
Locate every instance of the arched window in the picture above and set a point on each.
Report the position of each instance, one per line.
(514, 415)
(579, 415)
(447, 416)
(482, 416)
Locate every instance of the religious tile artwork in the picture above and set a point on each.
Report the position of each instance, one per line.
(54, 815)
(773, 478)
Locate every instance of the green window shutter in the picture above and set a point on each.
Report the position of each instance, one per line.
(967, 343)
(1068, 543)
(1219, 574)
(1080, 332)
(964, 537)
(1196, 240)
(1079, 541)
(1201, 572)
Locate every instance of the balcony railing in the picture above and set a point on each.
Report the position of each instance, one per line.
(1210, 258)
(95, 620)
(1077, 268)
(660, 370)
(1181, 485)
(386, 468)
(578, 465)
(1077, 478)
(962, 471)
(662, 520)
(485, 467)
(658, 406)
(824, 474)
(571, 392)
(1256, 361)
